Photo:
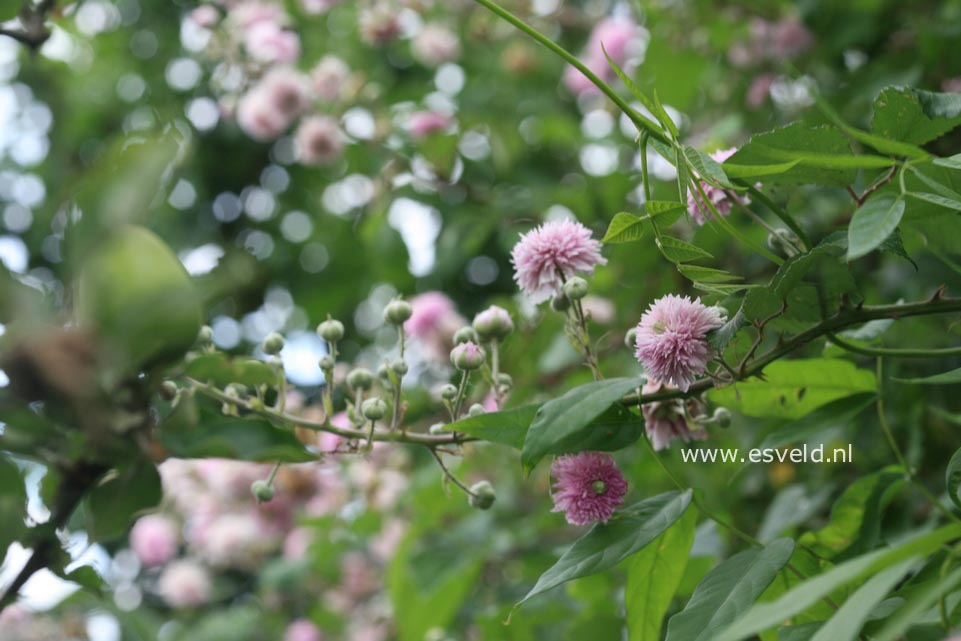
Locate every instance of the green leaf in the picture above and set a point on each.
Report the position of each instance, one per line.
(728, 591)
(9, 9)
(753, 171)
(872, 223)
(664, 213)
(847, 621)
(624, 228)
(917, 605)
(945, 378)
(220, 369)
(607, 544)
(951, 162)
(855, 523)
(637, 94)
(915, 116)
(678, 251)
(122, 496)
(653, 575)
(952, 478)
(699, 274)
(840, 412)
(792, 389)
(764, 616)
(707, 168)
(13, 502)
(508, 427)
(564, 420)
(936, 199)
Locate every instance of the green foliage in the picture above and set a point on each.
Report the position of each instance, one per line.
(123, 495)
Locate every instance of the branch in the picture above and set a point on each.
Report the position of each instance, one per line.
(33, 31)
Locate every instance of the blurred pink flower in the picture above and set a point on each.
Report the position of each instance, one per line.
(600, 310)
(206, 16)
(434, 45)
(297, 543)
(234, 541)
(154, 539)
(433, 322)
(577, 83)
(424, 123)
(185, 584)
(358, 577)
(318, 141)
(699, 209)
(316, 7)
(328, 77)
(672, 339)
(589, 487)
(951, 85)
(759, 91)
(302, 630)
(258, 117)
(328, 442)
(385, 543)
(621, 38)
(247, 14)
(379, 24)
(547, 255)
(270, 43)
(665, 420)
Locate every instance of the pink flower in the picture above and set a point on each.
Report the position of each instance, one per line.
(434, 45)
(258, 118)
(424, 123)
(302, 630)
(154, 539)
(297, 543)
(318, 141)
(379, 24)
(205, 16)
(185, 584)
(589, 487)
(547, 255)
(433, 322)
(672, 339)
(789, 38)
(316, 7)
(699, 210)
(329, 442)
(665, 420)
(577, 83)
(270, 43)
(621, 38)
(329, 77)
(758, 92)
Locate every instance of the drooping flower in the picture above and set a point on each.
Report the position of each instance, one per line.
(696, 205)
(154, 539)
(547, 255)
(665, 421)
(672, 339)
(318, 141)
(185, 584)
(588, 487)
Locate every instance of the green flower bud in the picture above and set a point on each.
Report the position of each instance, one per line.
(475, 410)
(235, 390)
(448, 392)
(272, 344)
(560, 302)
(327, 362)
(373, 409)
(630, 338)
(398, 366)
(437, 428)
(467, 356)
(575, 288)
(262, 491)
(168, 390)
(360, 379)
(383, 373)
(494, 323)
(397, 311)
(722, 417)
(505, 380)
(466, 335)
(482, 495)
(331, 330)
(206, 336)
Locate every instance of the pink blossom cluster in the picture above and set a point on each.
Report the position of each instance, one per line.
(621, 38)
(548, 255)
(772, 41)
(433, 322)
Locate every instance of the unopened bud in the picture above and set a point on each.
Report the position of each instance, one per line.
(505, 380)
(475, 410)
(575, 288)
(397, 311)
(168, 390)
(272, 344)
(327, 362)
(437, 428)
(262, 491)
(448, 392)
(467, 356)
(560, 302)
(722, 417)
(630, 338)
(466, 335)
(331, 330)
(360, 379)
(482, 495)
(494, 323)
(399, 366)
(373, 409)
(206, 336)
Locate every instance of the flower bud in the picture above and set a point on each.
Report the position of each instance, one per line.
(505, 380)
(206, 336)
(373, 409)
(560, 302)
(399, 366)
(272, 344)
(722, 417)
(494, 323)
(326, 363)
(360, 379)
(630, 338)
(397, 311)
(575, 288)
(383, 373)
(168, 390)
(448, 392)
(482, 495)
(331, 330)
(466, 335)
(262, 491)
(475, 410)
(467, 356)
(437, 428)
(235, 390)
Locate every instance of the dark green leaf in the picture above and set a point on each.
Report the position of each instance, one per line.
(915, 116)
(508, 427)
(839, 412)
(920, 602)
(945, 378)
(122, 496)
(872, 223)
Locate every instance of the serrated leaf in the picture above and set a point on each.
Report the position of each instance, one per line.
(707, 168)
(653, 576)
(728, 591)
(678, 251)
(564, 420)
(915, 116)
(624, 228)
(607, 544)
(872, 224)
